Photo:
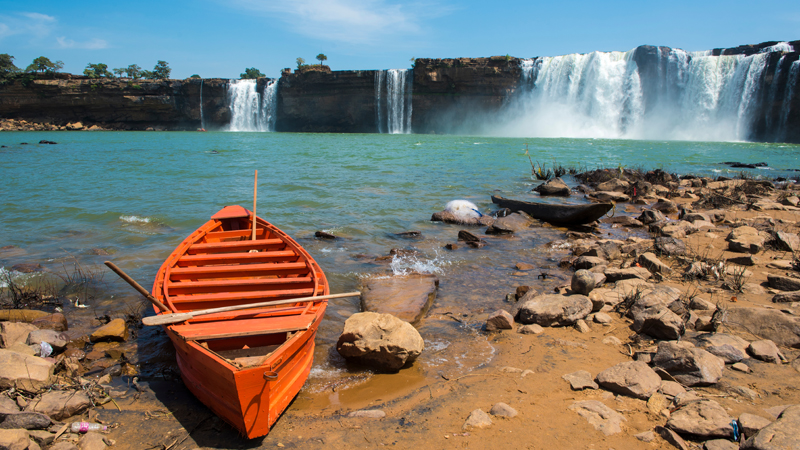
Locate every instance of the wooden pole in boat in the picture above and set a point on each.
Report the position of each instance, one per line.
(255, 195)
(136, 286)
(165, 319)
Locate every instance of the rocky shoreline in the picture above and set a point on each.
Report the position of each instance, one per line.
(681, 335)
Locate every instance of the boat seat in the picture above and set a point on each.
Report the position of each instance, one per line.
(232, 212)
(248, 270)
(236, 246)
(209, 286)
(247, 295)
(234, 234)
(272, 311)
(237, 258)
(243, 327)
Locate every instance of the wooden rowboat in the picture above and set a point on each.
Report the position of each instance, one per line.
(558, 214)
(245, 365)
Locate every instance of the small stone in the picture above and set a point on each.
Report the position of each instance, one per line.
(720, 444)
(612, 340)
(741, 367)
(600, 416)
(530, 329)
(751, 424)
(582, 282)
(602, 318)
(645, 436)
(116, 330)
(580, 380)
(671, 388)
(367, 414)
(477, 419)
(582, 326)
(500, 320)
(92, 441)
(503, 410)
(765, 350)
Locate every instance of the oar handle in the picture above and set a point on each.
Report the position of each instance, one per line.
(136, 286)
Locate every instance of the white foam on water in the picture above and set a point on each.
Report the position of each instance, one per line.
(134, 219)
(404, 265)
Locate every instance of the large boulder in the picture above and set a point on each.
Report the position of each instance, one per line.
(24, 372)
(780, 328)
(554, 310)
(746, 239)
(783, 283)
(650, 261)
(652, 315)
(782, 434)
(14, 332)
(632, 378)
(60, 404)
(704, 419)
(405, 297)
(765, 350)
(511, 223)
(614, 184)
(26, 420)
(56, 340)
(379, 340)
(670, 246)
(690, 366)
(555, 186)
(786, 241)
(649, 216)
(55, 322)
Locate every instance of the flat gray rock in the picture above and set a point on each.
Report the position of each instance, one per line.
(783, 283)
(580, 380)
(503, 410)
(765, 350)
(782, 434)
(405, 297)
(782, 329)
(632, 378)
(600, 416)
(751, 424)
(555, 310)
(704, 419)
(689, 366)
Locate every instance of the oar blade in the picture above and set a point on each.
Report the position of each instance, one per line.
(166, 319)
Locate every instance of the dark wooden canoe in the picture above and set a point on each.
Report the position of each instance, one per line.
(557, 214)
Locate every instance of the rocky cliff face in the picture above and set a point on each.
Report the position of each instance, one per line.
(116, 103)
(322, 102)
(449, 93)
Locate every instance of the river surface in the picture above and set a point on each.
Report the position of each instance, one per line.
(137, 195)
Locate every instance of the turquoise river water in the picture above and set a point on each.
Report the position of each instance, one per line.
(137, 195)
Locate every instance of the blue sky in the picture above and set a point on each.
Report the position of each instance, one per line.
(216, 38)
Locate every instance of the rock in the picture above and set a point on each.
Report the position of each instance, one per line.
(477, 419)
(7, 406)
(55, 322)
(614, 185)
(657, 403)
(580, 380)
(741, 367)
(614, 275)
(27, 268)
(64, 445)
(530, 329)
(600, 416)
(612, 340)
(555, 310)
(42, 437)
(27, 421)
(624, 221)
(782, 329)
(649, 216)
(554, 186)
(500, 320)
(510, 224)
(671, 437)
(671, 388)
(645, 436)
(652, 316)
(503, 410)
(788, 242)
(698, 304)
(750, 424)
(379, 340)
(450, 217)
(524, 266)
(56, 340)
(405, 297)
(748, 260)
(582, 326)
(728, 353)
(587, 262)
(603, 318)
(92, 441)
(27, 373)
(703, 419)
(609, 196)
(12, 332)
(689, 366)
(784, 433)
(670, 246)
(783, 283)
(705, 340)
(116, 330)
(582, 282)
(765, 350)
(650, 262)
(367, 414)
(746, 239)
(787, 297)
(632, 378)
(720, 444)
(60, 404)
(14, 439)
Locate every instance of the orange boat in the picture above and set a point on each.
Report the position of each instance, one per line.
(246, 365)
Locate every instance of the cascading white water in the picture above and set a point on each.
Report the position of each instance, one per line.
(779, 47)
(202, 118)
(786, 107)
(678, 95)
(251, 110)
(393, 101)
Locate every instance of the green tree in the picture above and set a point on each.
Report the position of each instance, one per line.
(133, 71)
(161, 71)
(147, 75)
(44, 65)
(7, 68)
(322, 58)
(251, 73)
(118, 72)
(300, 62)
(195, 76)
(98, 70)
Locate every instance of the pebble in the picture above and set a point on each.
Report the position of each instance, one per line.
(530, 329)
(602, 318)
(503, 410)
(741, 367)
(612, 340)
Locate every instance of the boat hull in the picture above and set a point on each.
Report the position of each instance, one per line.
(556, 214)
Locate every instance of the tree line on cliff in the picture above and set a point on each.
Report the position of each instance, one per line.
(43, 65)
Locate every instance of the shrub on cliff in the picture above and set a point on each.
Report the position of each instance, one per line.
(98, 70)
(251, 73)
(133, 71)
(44, 65)
(7, 68)
(161, 71)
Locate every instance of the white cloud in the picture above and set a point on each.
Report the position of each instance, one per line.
(349, 21)
(93, 44)
(32, 24)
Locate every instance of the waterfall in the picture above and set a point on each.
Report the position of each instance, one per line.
(252, 110)
(202, 118)
(393, 101)
(786, 106)
(646, 93)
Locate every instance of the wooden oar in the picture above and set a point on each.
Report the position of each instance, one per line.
(164, 319)
(136, 286)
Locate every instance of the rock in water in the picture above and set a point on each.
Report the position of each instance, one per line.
(116, 330)
(500, 320)
(405, 297)
(463, 210)
(556, 186)
(379, 340)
